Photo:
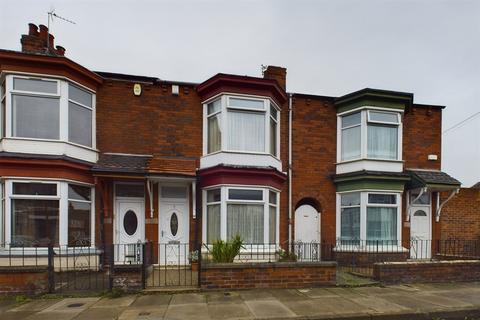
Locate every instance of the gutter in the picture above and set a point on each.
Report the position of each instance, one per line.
(290, 96)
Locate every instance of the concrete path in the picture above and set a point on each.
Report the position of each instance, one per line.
(420, 301)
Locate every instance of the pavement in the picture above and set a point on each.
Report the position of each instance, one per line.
(415, 301)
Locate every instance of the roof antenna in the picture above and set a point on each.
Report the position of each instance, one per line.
(51, 15)
(263, 68)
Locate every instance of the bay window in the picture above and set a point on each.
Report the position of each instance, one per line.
(241, 124)
(42, 213)
(47, 109)
(370, 134)
(251, 213)
(372, 217)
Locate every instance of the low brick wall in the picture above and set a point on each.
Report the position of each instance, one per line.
(367, 259)
(267, 275)
(23, 280)
(128, 278)
(427, 271)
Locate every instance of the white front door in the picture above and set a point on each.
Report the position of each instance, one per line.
(130, 230)
(420, 232)
(307, 233)
(174, 229)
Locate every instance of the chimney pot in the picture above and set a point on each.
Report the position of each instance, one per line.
(60, 50)
(43, 32)
(32, 29)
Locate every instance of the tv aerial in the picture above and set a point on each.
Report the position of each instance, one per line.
(51, 16)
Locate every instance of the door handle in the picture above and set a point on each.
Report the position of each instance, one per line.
(162, 233)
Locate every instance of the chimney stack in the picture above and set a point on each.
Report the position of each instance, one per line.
(38, 40)
(277, 73)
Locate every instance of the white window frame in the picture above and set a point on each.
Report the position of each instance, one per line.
(364, 204)
(365, 120)
(224, 130)
(62, 95)
(224, 201)
(61, 196)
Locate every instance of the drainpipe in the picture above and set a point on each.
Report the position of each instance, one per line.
(290, 168)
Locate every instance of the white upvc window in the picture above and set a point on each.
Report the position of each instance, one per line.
(48, 109)
(250, 212)
(39, 213)
(369, 218)
(373, 134)
(241, 124)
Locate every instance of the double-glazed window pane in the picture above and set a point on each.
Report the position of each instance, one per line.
(34, 189)
(79, 223)
(174, 192)
(381, 224)
(246, 131)
(245, 194)
(214, 133)
(246, 103)
(382, 142)
(351, 143)
(35, 222)
(350, 224)
(79, 95)
(214, 106)
(424, 199)
(350, 199)
(213, 195)
(36, 117)
(79, 124)
(382, 198)
(76, 192)
(247, 221)
(273, 137)
(383, 117)
(213, 223)
(351, 120)
(35, 85)
(272, 224)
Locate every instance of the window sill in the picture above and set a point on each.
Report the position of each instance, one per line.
(368, 159)
(49, 147)
(254, 159)
(369, 165)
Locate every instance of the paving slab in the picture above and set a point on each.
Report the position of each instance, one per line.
(310, 308)
(379, 305)
(287, 294)
(269, 309)
(119, 302)
(223, 311)
(35, 305)
(375, 291)
(465, 296)
(152, 300)
(443, 301)
(15, 315)
(343, 306)
(411, 302)
(343, 292)
(223, 297)
(319, 293)
(51, 316)
(187, 298)
(100, 313)
(70, 305)
(194, 311)
(256, 295)
(143, 313)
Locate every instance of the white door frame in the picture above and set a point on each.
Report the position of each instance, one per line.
(318, 224)
(426, 250)
(161, 207)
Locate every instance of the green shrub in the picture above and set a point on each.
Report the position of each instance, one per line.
(226, 251)
(284, 256)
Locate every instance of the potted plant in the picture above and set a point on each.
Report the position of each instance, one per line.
(193, 258)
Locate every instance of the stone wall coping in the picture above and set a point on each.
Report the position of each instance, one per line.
(23, 269)
(427, 262)
(265, 265)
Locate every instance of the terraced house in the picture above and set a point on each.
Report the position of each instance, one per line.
(91, 159)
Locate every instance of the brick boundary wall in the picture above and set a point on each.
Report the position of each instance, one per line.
(367, 259)
(267, 275)
(128, 278)
(427, 271)
(23, 280)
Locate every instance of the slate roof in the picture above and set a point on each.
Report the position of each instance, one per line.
(109, 162)
(476, 185)
(434, 177)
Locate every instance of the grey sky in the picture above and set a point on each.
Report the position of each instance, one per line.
(430, 48)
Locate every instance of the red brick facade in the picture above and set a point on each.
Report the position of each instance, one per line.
(461, 216)
(168, 128)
